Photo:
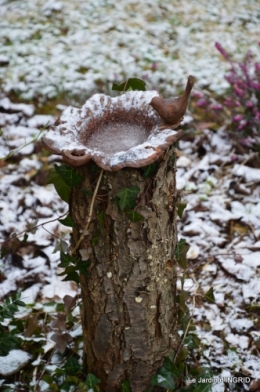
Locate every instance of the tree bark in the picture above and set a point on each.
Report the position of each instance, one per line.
(129, 306)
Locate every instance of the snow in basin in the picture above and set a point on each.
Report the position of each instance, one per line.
(117, 136)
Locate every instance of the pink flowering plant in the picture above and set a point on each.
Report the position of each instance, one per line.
(242, 102)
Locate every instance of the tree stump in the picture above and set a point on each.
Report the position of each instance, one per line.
(129, 308)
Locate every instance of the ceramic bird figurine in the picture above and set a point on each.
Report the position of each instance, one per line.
(172, 110)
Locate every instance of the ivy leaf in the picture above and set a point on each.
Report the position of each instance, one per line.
(131, 83)
(182, 308)
(191, 341)
(181, 359)
(83, 266)
(134, 216)
(71, 275)
(67, 270)
(101, 219)
(69, 175)
(127, 197)
(86, 192)
(67, 259)
(210, 296)
(68, 221)
(70, 380)
(207, 387)
(25, 237)
(169, 365)
(180, 208)
(95, 238)
(125, 386)
(47, 378)
(61, 246)
(163, 379)
(91, 381)
(171, 161)
(72, 366)
(203, 387)
(8, 342)
(93, 167)
(180, 253)
(3, 252)
(149, 170)
(31, 226)
(179, 247)
(61, 187)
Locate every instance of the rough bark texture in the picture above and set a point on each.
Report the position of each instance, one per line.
(129, 308)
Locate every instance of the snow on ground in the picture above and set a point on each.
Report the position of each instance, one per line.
(16, 359)
(25, 201)
(73, 49)
(53, 47)
(221, 225)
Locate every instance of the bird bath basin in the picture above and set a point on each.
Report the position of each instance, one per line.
(131, 130)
